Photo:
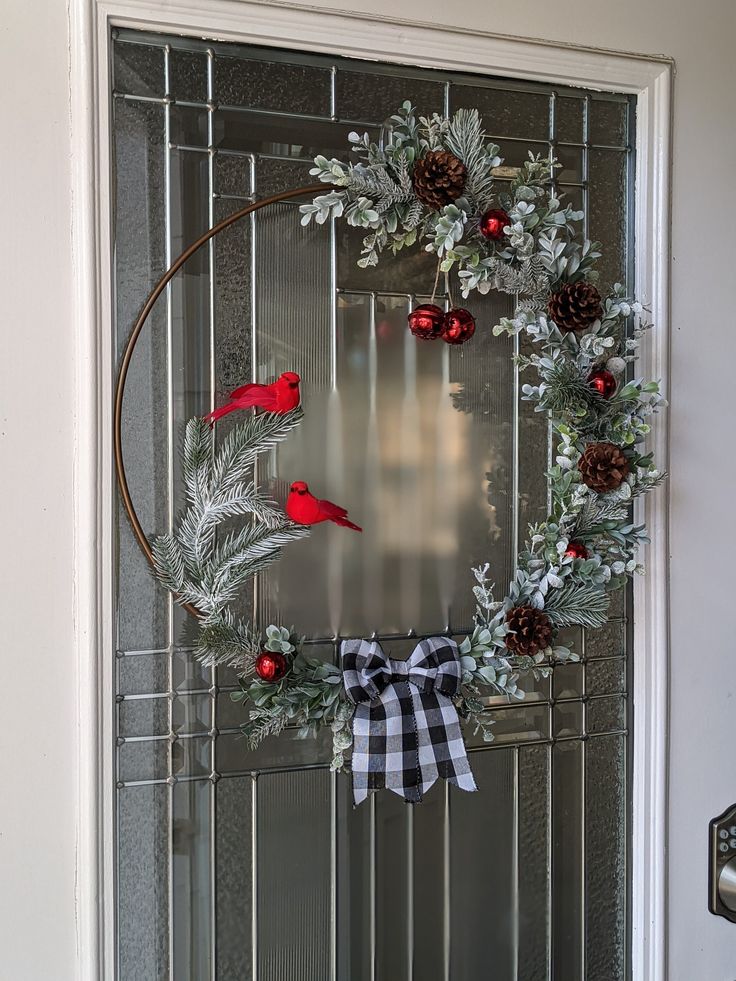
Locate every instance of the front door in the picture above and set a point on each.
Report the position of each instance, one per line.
(235, 864)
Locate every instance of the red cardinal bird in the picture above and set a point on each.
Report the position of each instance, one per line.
(305, 509)
(281, 396)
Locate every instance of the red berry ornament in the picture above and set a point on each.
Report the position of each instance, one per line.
(493, 223)
(426, 321)
(603, 382)
(271, 666)
(458, 326)
(577, 550)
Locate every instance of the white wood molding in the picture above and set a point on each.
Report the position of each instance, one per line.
(340, 33)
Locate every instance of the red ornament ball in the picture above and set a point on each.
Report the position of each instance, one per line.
(603, 382)
(492, 224)
(577, 550)
(458, 326)
(271, 666)
(426, 321)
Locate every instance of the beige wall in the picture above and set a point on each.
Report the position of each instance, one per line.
(37, 745)
(37, 658)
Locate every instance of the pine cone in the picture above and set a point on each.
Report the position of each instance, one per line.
(532, 630)
(575, 306)
(603, 467)
(438, 178)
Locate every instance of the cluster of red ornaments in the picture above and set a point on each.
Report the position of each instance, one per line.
(428, 322)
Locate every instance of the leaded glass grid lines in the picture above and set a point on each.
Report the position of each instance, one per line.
(202, 802)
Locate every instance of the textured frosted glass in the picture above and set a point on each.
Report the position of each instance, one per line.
(606, 714)
(607, 212)
(143, 673)
(274, 175)
(232, 305)
(483, 913)
(143, 717)
(605, 862)
(138, 69)
(188, 75)
(569, 114)
(605, 677)
(567, 838)
(609, 641)
(139, 261)
(534, 869)
(232, 173)
(505, 111)
(374, 97)
(293, 877)
(143, 896)
(233, 878)
(608, 122)
(144, 760)
(272, 85)
(191, 804)
(533, 456)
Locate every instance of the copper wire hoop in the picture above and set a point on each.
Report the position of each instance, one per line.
(135, 333)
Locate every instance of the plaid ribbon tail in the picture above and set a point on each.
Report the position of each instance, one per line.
(406, 731)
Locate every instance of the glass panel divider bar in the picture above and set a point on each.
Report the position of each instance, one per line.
(213, 670)
(516, 872)
(333, 876)
(585, 165)
(447, 898)
(410, 893)
(372, 881)
(170, 489)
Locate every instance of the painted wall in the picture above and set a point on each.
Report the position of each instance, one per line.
(37, 657)
(37, 733)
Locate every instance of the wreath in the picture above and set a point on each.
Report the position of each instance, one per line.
(432, 181)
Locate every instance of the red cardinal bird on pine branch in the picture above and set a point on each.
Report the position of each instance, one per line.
(281, 396)
(305, 509)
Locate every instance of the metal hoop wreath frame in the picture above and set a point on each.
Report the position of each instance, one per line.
(135, 333)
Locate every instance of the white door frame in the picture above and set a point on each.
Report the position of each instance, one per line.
(311, 29)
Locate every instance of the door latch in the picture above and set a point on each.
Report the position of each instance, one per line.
(722, 875)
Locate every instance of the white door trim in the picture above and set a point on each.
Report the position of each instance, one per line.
(341, 33)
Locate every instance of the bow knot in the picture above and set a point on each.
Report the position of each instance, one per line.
(405, 728)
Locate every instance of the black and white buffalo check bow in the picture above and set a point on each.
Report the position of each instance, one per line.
(406, 732)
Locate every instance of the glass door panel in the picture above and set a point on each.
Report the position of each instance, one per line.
(254, 866)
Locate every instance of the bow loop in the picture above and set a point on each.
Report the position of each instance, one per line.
(405, 727)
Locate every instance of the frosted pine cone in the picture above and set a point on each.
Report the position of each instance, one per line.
(438, 179)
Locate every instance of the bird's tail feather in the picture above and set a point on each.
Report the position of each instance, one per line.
(219, 412)
(344, 523)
